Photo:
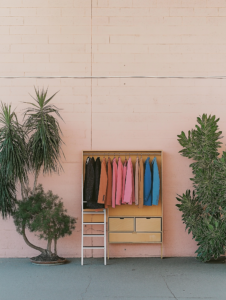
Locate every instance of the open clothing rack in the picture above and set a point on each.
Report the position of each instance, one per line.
(126, 224)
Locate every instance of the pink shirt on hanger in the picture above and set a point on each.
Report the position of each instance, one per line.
(124, 180)
(114, 182)
(129, 183)
(119, 183)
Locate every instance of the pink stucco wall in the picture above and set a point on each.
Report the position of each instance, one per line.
(116, 37)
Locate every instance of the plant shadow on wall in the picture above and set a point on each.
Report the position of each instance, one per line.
(33, 147)
(204, 209)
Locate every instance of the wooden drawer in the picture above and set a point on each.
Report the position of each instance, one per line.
(148, 224)
(151, 237)
(121, 224)
(93, 218)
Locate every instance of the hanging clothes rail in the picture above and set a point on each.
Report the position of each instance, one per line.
(122, 153)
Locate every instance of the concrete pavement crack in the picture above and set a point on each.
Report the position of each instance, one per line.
(83, 294)
(169, 288)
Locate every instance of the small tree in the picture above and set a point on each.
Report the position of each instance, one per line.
(44, 214)
(31, 147)
(204, 210)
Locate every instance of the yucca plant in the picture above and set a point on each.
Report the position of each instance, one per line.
(14, 163)
(44, 144)
(32, 147)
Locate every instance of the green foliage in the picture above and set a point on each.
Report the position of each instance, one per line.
(44, 145)
(7, 196)
(28, 147)
(13, 158)
(44, 214)
(204, 213)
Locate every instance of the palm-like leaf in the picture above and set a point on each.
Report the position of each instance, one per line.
(44, 146)
(13, 150)
(7, 196)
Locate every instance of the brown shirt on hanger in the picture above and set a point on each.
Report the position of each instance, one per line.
(103, 183)
(141, 184)
(108, 201)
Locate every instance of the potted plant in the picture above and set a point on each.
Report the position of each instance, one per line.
(33, 146)
(204, 209)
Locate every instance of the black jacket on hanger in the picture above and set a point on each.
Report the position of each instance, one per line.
(89, 181)
(92, 183)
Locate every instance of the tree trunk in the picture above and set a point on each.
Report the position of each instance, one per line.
(22, 191)
(49, 247)
(55, 245)
(36, 179)
(43, 251)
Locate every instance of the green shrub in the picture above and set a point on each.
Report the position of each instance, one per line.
(204, 211)
(44, 214)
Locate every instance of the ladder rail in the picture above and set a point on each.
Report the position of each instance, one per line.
(82, 226)
(105, 250)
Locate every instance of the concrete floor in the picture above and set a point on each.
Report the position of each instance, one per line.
(130, 278)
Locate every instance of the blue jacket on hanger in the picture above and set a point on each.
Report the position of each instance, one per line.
(156, 182)
(147, 183)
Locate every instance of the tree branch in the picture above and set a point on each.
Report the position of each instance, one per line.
(43, 251)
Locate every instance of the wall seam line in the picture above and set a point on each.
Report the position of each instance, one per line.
(91, 46)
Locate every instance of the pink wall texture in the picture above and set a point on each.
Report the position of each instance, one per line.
(116, 38)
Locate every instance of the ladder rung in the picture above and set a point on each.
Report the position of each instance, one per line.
(93, 247)
(93, 235)
(93, 213)
(93, 223)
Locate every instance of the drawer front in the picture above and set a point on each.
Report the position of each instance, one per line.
(148, 224)
(121, 224)
(151, 237)
(93, 218)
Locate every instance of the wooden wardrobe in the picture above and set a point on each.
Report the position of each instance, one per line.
(128, 224)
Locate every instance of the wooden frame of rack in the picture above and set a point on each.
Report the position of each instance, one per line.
(128, 224)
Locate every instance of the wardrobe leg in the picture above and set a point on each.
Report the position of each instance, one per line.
(108, 250)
